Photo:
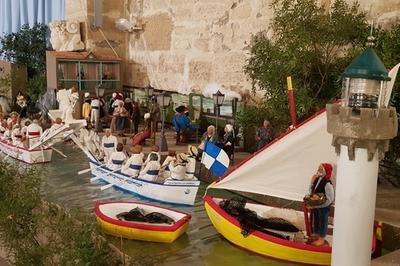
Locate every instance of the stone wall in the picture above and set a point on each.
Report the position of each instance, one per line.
(188, 44)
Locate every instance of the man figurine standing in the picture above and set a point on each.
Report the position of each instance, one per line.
(63, 102)
(73, 97)
(264, 135)
(95, 112)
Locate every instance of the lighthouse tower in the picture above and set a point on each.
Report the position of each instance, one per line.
(362, 127)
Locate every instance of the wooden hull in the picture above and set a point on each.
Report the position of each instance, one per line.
(262, 243)
(35, 156)
(106, 218)
(175, 192)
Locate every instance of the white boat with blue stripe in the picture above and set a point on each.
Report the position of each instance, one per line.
(171, 191)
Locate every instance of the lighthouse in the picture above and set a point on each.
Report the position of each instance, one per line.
(362, 126)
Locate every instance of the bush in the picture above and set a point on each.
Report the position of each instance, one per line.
(311, 45)
(34, 232)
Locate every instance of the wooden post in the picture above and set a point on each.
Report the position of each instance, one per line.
(292, 104)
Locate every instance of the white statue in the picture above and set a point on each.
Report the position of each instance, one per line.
(67, 100)
(66, 36)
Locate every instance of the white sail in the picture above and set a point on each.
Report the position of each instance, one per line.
(389, 89)
(284, 169)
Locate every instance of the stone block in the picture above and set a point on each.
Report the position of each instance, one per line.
(182, 14)
(217, 41)
(199, 70)
(182, 3)
(241, 11)
(171, 63)
(185, 32)
(201, 44)
(157, 31)
(208, 12)
(181, 44)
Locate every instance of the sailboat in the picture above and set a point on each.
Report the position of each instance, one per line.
(282, 169)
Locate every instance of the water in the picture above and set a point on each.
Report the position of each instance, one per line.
(201, 245)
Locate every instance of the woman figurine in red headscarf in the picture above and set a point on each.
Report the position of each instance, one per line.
(321, 189)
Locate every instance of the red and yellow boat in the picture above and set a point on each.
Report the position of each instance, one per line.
(262, 243)
(283, 169)
(106, 213)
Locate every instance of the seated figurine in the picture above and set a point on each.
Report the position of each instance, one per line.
(178, 167)
(165, 166)
(117, 158)
(134, 164)
(191, 164)
(152, 168)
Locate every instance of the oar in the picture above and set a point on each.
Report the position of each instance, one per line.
(111, 184)
(95, 178)
(89, 169)
(59, 152)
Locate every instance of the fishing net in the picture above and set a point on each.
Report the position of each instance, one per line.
(250, 221)
(139, 215)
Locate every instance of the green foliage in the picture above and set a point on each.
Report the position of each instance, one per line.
(388, 49)
(309, 44)
(34, 232)
(36, 86)
(27, 46)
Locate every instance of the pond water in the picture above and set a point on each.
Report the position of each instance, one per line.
(201, 245)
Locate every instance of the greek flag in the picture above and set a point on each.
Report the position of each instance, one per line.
(215, 159)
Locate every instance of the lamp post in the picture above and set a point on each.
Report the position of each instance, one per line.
(149, 93)
(218, 98)
(362, 126)
(163, 100)
(100, 91)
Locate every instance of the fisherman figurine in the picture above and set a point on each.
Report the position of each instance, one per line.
(33, 133)
(154, 150)
(178, 167)
(89, 138)
(3, 128)
(165, 166)
(191, 164)
(86, 107)
(63, 102)
(95, 113)
(108, 144)
(152, 168)
(134, 164)
(8, 132)
(117, 158)
(16, 136)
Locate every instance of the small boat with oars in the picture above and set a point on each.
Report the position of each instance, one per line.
(182, 192)
(141, 221)
(34, 156)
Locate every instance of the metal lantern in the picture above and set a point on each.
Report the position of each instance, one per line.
(163, 99)
(100, 90)
(218, 98)
(149, 91)
(364, 82)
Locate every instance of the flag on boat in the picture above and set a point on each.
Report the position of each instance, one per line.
(215, 159)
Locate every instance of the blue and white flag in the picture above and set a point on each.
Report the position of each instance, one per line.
(215, 159)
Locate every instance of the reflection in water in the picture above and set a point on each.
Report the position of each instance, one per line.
(201, 245)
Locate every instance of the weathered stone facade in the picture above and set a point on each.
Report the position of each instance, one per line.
(187, 44)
